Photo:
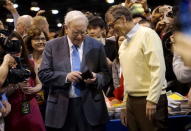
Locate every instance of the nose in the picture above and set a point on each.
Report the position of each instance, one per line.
(91, 30)
(79, 36)
(41, 42)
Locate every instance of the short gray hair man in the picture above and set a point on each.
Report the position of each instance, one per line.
(23, 23)
(75, 15)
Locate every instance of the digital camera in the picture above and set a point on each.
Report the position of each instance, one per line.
(21, 72)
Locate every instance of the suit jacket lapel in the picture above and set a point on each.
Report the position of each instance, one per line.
(86, 48)
(66, 55)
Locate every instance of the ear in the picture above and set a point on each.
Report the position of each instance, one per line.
(123, 19)
(65, 28)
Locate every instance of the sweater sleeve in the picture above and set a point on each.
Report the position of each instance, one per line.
(154, 56)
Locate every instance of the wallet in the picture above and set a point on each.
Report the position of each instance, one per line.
(87, 75)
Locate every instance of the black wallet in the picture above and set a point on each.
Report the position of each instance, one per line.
(87, 75)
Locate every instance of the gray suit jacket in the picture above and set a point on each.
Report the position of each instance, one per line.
(54, 68)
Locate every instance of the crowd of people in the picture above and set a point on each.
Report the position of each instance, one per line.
(60, 82)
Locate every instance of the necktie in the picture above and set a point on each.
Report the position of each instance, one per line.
(75, 67)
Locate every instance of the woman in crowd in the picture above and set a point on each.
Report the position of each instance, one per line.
(25, 114)
(35, 42)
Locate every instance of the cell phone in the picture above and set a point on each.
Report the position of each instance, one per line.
(184, 16)
(87, 75)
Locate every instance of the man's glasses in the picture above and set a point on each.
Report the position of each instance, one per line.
(82, 33)
(111, 25)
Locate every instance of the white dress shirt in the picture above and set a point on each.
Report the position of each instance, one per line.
(80, 50)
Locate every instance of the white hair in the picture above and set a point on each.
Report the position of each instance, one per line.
(75, 15)
(26, 20)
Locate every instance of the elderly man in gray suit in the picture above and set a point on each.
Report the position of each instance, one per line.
(75, 100)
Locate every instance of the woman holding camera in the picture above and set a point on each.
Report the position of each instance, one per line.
(25, 114)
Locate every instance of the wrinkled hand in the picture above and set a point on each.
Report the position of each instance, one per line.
(2, 35)
(182, 47)
(30, 90)
(9, 6)
(74, 76)
(90, 81)
(7, 107)
(123, 116)
(9, 60)
(189, 97)
(23, 84)
(150, 110)
(27, 89)
(2, 110)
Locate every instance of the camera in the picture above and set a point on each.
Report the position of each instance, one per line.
(20, 73)
(10, 46)
(2, 3)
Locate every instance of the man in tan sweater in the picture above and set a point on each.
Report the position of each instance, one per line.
(142, 62)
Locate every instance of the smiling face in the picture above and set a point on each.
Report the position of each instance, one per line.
(38, 42)
(76, 31)
(95, 32)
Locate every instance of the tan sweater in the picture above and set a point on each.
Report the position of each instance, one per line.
(143, 65)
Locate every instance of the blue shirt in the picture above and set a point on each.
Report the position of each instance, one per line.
(3, 98)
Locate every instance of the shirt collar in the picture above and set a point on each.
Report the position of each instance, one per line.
(132, 32)
(101, 39)
(71, 44)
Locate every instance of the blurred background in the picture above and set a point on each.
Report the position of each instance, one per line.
(56, 9)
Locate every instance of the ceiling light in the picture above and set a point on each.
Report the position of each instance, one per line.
(34, 6)
(55, 12)
(110, 1)
(59, 25)
(15, 5)
(123, 4)
(9, 20)
(35, 9)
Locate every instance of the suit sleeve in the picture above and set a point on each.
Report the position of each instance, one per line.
(47, 74)
(103, 77)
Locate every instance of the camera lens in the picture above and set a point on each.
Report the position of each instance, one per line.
(170, 14)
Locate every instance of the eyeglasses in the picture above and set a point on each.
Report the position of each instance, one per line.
(39, 39)
(76, 33)
(111, 25)
(79, 33)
